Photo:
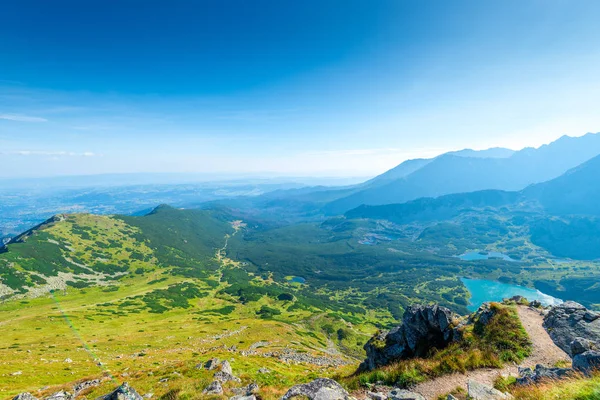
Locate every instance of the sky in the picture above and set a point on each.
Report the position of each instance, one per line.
(321, 88)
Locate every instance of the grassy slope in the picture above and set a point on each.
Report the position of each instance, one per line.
(163, 315)
(571, 389)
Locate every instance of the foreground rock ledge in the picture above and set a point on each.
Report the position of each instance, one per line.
(319, 389)
(423, 327)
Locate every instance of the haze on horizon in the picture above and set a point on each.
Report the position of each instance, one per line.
(336, 88)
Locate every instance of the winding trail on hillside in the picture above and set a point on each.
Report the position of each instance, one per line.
(544, 352)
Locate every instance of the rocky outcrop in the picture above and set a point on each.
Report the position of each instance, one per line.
(214, 388)
(319, 389)
(82, 386)
(479, 391)
(587, 361)
(211, 364)
(423, 328)
(25, 396)
(246, 391)
(528, 376)
(62, 395)
(570, 321)
(226, 373)
(123, 392)
(581, 345)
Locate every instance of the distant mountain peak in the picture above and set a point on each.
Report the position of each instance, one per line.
(494, 152)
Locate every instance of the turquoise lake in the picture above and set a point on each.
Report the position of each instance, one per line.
(483, 290)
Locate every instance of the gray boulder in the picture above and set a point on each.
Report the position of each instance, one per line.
(226, 367)
(528, 376)
(243, 397)
(587, 361)
(226, 373)
(423, 328)
(479, 391)
(225, 377)
(376, 396)
(568, 321)
(246, 390)
(25, 396)
(581, 345)
(518, 299)
(536, 304)
(319, 389)
(211, 364)
(401, 394)
(214, 388)
(62, 395)
(123, 392)
(81, 386)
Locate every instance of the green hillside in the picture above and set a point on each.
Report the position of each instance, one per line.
(145, 299)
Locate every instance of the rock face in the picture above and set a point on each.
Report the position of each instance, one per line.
(400, 394)
(319, 389)
(528, 376)
(587, 361)
(479, 391)
(123, 392)
(569, 321)
(423, 327)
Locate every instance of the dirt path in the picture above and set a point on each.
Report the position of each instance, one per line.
(544, 352)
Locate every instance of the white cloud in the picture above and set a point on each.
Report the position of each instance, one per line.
(22, 118)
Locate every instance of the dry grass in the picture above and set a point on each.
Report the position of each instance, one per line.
(575, 388)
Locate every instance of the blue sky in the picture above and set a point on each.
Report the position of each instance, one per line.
(291, 88)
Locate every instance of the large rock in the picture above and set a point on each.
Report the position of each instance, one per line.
(401, 394)
(528, 376)
(226, 367)
(123, 392)
(479, 391)
(319, 389)
(82, 386)
(581, 345)
(249, 390)
(423, 328)
(569, 321)
(587, 361)
(226, 373)
(62, 395)
(214, 388)
(25, 396)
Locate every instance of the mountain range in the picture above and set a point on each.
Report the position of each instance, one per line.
(464, 172)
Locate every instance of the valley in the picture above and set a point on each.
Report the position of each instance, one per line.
(272, 282)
